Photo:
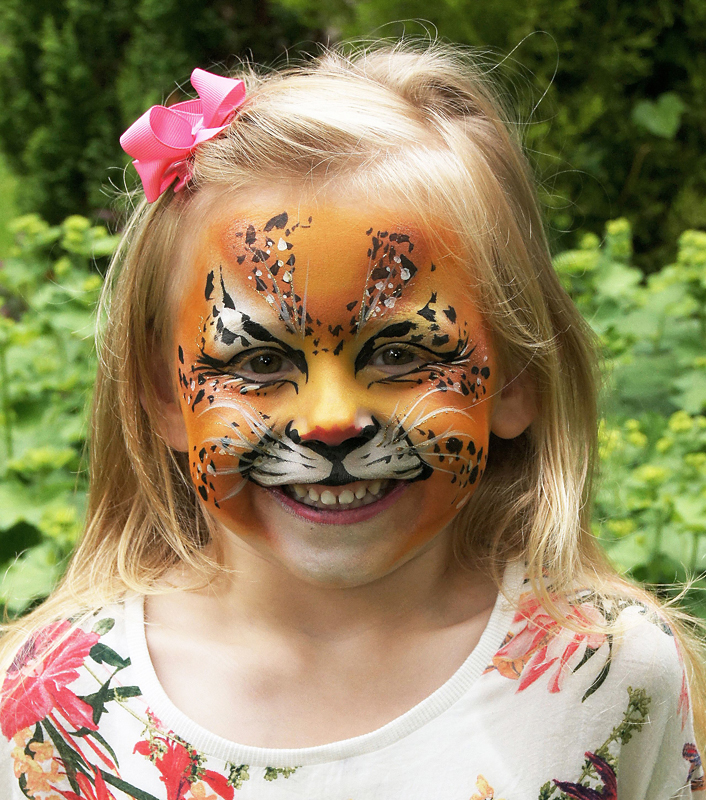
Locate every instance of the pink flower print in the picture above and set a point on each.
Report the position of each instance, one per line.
(543, 645)
(37, 680)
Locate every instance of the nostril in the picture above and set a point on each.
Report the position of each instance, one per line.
(331, 436)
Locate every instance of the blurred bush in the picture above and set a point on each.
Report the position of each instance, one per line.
(48, 289)
(75, 73)
(651, 505)
(612, 99)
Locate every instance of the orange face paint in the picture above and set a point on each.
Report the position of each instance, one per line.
(331, 349)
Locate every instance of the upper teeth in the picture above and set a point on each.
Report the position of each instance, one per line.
(338, 495)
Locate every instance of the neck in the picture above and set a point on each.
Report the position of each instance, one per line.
(430, 590)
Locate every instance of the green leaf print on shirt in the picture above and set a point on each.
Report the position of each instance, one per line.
(58, 743)
(598, 777)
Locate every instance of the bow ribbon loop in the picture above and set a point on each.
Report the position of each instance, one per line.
(162, 140)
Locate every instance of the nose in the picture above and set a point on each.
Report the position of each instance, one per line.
(331, 408)
(331, 436)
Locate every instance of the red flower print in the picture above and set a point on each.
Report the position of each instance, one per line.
(542, 644)
(36, 682)
(174, 762)
(219, 784)
(179, 768)
(88, 791)
(609, 790)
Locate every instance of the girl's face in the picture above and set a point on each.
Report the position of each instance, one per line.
(335, 381)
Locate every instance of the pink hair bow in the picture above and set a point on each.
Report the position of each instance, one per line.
(163, 138)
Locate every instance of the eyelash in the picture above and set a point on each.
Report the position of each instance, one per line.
(427, 358)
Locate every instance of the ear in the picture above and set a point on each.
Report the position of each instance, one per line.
(515, 408)
(163, 405)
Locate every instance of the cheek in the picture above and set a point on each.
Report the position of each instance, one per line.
(223, 430)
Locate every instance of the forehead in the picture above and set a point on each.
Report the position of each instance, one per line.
(332, 261)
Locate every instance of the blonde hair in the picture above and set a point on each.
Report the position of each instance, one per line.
(419, 125)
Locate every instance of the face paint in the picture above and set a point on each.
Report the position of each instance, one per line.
(333, 371)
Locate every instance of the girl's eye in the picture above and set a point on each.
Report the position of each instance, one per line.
(396, 359)
(265, 364)
(396, 356)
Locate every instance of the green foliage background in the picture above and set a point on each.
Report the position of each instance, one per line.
(650, 509)
(613, 98)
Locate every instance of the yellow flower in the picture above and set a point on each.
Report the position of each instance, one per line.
(485, 790)
(43, 751)
(198, 790)
(680, 422)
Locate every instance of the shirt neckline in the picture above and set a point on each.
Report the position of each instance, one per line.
(421, 714)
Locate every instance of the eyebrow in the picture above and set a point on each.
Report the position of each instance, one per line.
(260, 337)
(398, 330)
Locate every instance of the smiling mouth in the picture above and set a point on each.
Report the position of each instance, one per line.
(339, 505)
(339, 498)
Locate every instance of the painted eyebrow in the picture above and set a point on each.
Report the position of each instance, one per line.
(260, 336)
(398, 330)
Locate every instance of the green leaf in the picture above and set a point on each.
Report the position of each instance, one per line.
(30, 577)
(71, 758)
(102, 654)
(661, 117)
(692, 392)
(602, 675)
(129, 790)
(103, 626)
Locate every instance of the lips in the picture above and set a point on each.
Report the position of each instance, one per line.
(339, 505)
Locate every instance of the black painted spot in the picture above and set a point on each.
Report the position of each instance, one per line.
(437, 340)
(199, 397)
(250, 235)
(259, 256)
(227, 299)
(202, 454)
(473, 475)
(426, 312)
(203, 491)
(278, 221)
(454, 445)
(450, 313)
(485, 372)
(209, 285)
(471, 447)
(339, 347)
(181, 354)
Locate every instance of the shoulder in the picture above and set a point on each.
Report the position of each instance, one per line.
(44, 673)
(596, 654)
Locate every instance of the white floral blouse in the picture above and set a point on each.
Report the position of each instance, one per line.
(536, 712)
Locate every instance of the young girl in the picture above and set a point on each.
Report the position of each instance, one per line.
(338, 539)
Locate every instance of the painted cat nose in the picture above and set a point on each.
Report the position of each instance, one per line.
(332, 436)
